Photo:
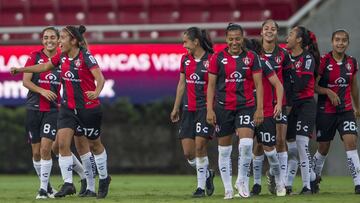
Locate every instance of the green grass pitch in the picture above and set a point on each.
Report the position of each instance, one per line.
(169, 188)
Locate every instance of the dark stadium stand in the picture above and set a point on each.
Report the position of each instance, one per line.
(110, 12)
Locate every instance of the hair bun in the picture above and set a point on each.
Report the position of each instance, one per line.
(82, 29)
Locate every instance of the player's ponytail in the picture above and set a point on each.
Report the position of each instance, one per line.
(77, 33)
(203, 37)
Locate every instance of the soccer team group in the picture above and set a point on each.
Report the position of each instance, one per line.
(256, 89)
(251, 89)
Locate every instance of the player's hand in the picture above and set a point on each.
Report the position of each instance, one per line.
(14, 70)
(258, 117)
(175, 115)
(49, 95)
(334, 98)
(211, 117)
(92, 95)
(277, 110)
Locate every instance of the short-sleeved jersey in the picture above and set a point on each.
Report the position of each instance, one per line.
(338, 77)
(269, 98)
(235, 84)
(49, 80)
(77, 79)
(196, 81)
(304, 64)
(281, 63)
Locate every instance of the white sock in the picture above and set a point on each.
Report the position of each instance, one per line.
(201, 169)
(292, 164)
(274, 165)
(354, 165)
(302, 143)
(192, 162)
(318, 161)
(245, 153)
(88, 171)
(37, 167)
(101, 164)
(257, 168)
(46, 166)
(225, 166)
(78, 167)
(283, 161)
(66, 168)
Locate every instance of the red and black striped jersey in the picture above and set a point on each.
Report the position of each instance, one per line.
(77, 79)
(196, 76)
(49, 80)
(281, 63)
(338, 77)
(269, 98)
(235, 84)
(304, 64)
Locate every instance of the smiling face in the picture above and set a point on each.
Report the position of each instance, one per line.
(234, 40)
(50, 40)
(292, 40)
(340, 42)
(189, 45)
(66, 41)
(269, 31)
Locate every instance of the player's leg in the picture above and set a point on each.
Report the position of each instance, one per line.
(281, 128)
(257, 164)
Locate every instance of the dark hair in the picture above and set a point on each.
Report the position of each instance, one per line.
(234, 26)
(340, 31)
(309, 42)
(253, 45)
(51, 28)
(203, 37)
(270, 20)
(77, 33)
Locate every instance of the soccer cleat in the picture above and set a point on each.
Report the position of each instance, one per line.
(83, 187)
(357, 189)
(199, 193)
(280, 191)
(243, 190)
(88, 193)
(66, 189)
(50, 191)
(103, 187)
(271, 183)
(42, 194)
(229, 194)
(256, 190)
(305, 191)
(315, 188)
(210, 183)
(289, 190)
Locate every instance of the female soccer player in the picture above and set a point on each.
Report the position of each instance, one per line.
(301, 120)
(279, 59)
(80, 112)
(194, 130)
(235, 73)
(336, 85)
(42, 105)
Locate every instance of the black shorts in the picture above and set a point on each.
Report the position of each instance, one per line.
(227, 121)
(266, 132)
(328, 123)
(193, 123)
(301, 119)
(40, 124)
(83, 121)
(282, 118)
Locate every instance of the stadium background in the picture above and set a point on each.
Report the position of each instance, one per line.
(138, 45)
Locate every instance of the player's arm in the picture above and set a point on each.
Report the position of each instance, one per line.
(334, 98)
(275, 82)
(175, 116)
(210, 116)
(355, 96)
(100, 81)
(49, 95)
(38, 68)
(259, 113)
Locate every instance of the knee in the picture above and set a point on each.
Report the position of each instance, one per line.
(36, 156)
(189, 155)
(200, 149)
(96, 147)
(45, 152)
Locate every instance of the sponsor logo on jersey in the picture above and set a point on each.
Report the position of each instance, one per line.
(187, 62)
(235, 76)
(40, 61)
(195, 79)
(69, 76)
(224, 61)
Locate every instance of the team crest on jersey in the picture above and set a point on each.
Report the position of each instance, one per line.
(77, 63)
(278, 59)
(348, 66)
(246, 60)
(206, 64)
(298, 64)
